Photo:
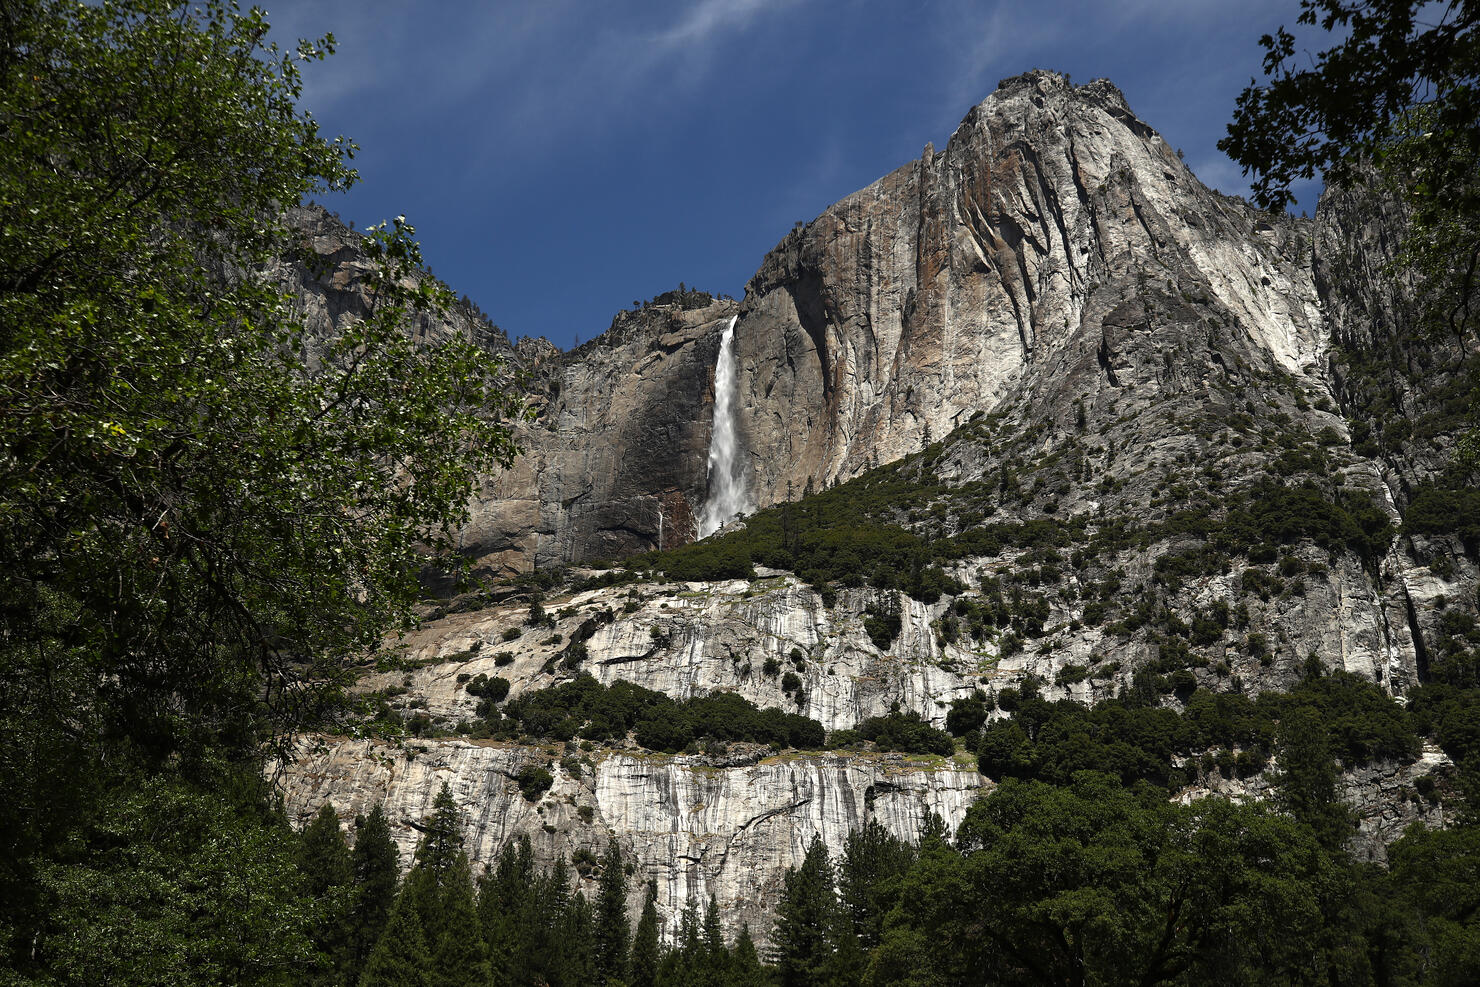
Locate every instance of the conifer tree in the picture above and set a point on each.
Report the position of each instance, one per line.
(870, 855)
(460, 955)
(716, 960)
(441, 840)
(612, 931)
(328, 877)
(801, 938)
(745, 966)
(375, 865)
(1306, 780)
(400, 958)
(645, 950)
(504, 906)
(541, 936)
(579, 949)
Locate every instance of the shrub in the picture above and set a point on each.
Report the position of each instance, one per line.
(534, 781)
(968, 713)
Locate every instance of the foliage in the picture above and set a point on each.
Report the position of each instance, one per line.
(1052, 741)
(534, 781)
(1396, 90)
(1392, 61)
(1092, 880)
(586, 708)
(612, 931)
(803, 939)
(205, 510)
(170, 884)
(907, 732)
(376, 875)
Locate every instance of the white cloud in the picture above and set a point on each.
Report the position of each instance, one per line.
(708, 20)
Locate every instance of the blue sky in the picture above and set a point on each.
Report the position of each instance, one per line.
(561, 159)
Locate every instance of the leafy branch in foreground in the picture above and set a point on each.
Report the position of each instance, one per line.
(206, 506)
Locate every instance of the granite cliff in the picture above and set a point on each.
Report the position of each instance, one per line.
(1136, 422)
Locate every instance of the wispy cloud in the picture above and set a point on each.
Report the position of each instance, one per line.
(533, 74)
(710, 20)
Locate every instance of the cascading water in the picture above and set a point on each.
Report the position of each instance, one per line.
(726, 484)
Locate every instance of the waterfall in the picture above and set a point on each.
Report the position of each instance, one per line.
(726, 484)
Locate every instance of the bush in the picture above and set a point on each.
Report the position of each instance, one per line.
(968, 713)
(534, 781)
(657, 722)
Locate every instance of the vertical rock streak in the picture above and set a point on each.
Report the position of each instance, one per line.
(726, 485)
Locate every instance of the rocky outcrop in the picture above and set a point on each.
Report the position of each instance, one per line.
(615, 462)
(1052, 232)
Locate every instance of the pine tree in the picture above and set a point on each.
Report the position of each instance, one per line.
(503, 909)
(328, 878)
(1305, 783)
(715, 964)
(460, 955)
(441, 840)
(400, 957)
(745, 967)
(376, 866)
(612, 930)
(800, 941)
(645, 950)
(541, 934)
(579, 964)
(870, 855)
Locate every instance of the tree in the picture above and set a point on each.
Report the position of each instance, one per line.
(612, 931)
(645, 949)
(195, 887)
(745, 967)
(206, 509)
(1305, 784)
(871, 855)
(1096, 883)
(459, 954)
(328, 882)
(801, 940)
(400, 957)
(376, 873)
(1398, 89)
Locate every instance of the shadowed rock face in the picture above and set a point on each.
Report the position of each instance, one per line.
(615, 463)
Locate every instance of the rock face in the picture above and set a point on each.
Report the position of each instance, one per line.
(695, 828)
(1049, 326)
(966, 278)
(615, 463)
(958, 284)
(699, 826)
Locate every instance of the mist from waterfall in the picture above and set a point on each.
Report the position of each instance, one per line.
(726, 484)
